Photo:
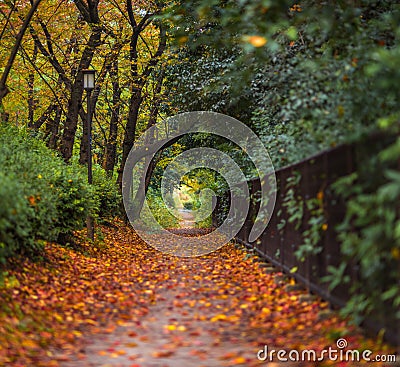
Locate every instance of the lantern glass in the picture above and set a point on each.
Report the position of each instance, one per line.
(88, 79)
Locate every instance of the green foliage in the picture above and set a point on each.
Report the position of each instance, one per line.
(293, 203)
(197, 81)
(204, 223)
(188, 205)
(42, 197)
(297, 209)
(159, 209)
(303, 79)
(312, 235)
(370, 236)
(106, 195)
(227, 24)
(15, 215)
(73, 202)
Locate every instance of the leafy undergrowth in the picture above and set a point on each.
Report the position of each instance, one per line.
(51, 308)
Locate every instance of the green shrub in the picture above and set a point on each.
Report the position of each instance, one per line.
(205, 223)
(370, 236)
(106, 195)
(74, 200)
(41, 197)
(160, 211)
(188, 205)
(15, 215)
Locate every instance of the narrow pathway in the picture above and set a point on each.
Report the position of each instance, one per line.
(187, 218)
(216, 310)
(199, 319)
(124, 304)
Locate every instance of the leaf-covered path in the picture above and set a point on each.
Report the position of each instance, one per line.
(125, 304)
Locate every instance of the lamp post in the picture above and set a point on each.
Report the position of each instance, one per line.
(88, 85)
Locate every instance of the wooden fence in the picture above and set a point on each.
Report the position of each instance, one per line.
(278, 243)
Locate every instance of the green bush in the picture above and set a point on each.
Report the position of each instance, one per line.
(106, 196)
(188, 205)
(160, 211)
(370, 236)
(74, 200)
(15, 215)
(41, 196)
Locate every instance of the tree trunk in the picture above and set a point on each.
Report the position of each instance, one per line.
(45, 117)
(31, 92)
(140, 196)
(52, 128)
(130, 130)
(75, 101)
(144, 185)
(111, 145)
(136, 94)
(71, 122)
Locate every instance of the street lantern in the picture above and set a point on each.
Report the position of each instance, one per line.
(88, 85)
(88, 79)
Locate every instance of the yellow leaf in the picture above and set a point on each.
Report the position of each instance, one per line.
(182, 40)
(58, 317)
(257, 41)
(29, 344)
(239, 360)
(218, 318)
(395, 253)
(266, 310)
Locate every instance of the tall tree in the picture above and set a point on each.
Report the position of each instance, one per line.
(17, 43)
(138, 79)
(89, 12)
(115, 106)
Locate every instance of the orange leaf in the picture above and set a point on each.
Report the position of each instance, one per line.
(162, 353)
(239, 360)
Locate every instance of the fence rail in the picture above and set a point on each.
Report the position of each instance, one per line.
(278, 244)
